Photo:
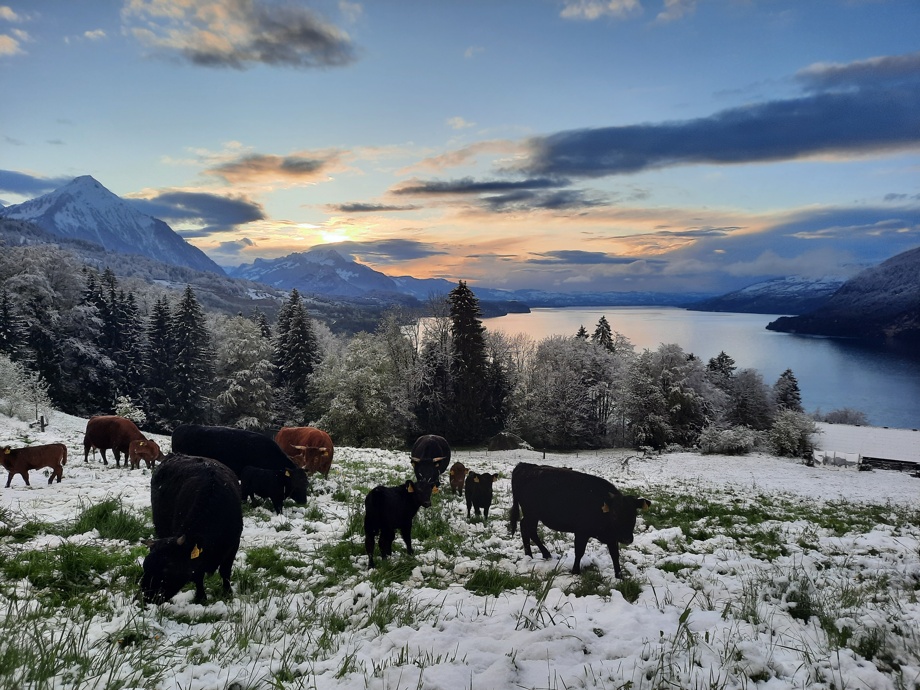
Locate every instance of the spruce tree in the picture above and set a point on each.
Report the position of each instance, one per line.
(582, 333)
(603, 334)
(786, 392)
(296, 350)
(12, 330)
(193, 371)
(158, 363)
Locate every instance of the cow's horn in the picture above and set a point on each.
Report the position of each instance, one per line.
(181, 540)
(413, 459)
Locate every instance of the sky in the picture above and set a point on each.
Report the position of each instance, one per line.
(566, 145)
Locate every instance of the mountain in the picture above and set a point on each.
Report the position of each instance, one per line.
(882, 302)
(791, 295)
(85, 210)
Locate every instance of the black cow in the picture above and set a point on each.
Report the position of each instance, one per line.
(197, 520)
(479, 493)
(237, 449)
(430, 457)
(388, 508)
(570, 501)
(270, 484)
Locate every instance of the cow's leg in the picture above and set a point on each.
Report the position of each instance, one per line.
(469, 506)
(201, 596)
(117, 454)
(485, 512)
(8, 480)
(224, 571)
(529, 528)
(25, 475)
(581, 543)
(51, 478)
(369, 543)
(406, 532)
(86, 453)
(387, 535)
(615, 555)
(104, 459)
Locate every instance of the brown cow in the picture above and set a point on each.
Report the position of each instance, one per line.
(111, 431)
(457, 477)
(21, 460)
(309, 448)
(145, 450)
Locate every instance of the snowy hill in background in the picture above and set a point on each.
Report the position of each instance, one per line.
(83, 209)
(790, 295)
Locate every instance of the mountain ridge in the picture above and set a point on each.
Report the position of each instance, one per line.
(85, 209)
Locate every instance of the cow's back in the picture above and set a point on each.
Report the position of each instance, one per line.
(197, 496)
(111, 431)
(560, 498)
(237, 449)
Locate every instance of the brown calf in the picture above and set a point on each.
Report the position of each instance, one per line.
(457, 477)
(145, 450)
(309, 448)
(21, 460)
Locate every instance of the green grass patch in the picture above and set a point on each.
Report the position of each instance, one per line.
(112, 521)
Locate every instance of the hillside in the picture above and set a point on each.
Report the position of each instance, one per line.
(882, 302)
(746, 571)
(790, 295)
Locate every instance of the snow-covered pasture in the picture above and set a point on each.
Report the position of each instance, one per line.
(747, 572)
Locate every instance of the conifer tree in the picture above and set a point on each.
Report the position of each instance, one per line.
(786, 392)
(12, 330)
(582, 333)
(603, 334)
(158, 362)
(296, 349)
(193, 371)
(721, 370)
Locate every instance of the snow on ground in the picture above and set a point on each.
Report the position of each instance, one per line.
(713, 612)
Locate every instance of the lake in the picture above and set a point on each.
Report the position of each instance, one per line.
(832, 373)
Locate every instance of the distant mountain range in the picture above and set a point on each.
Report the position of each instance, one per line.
(880, 303)
(791, 295)
(85, 210)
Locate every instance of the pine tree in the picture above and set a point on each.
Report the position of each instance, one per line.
(786, 392)
(721, 370)
(296, 349)
(12, 330)
(603, 334)
(158, 363)
(193, 371)
(582, 333)
(478, 394)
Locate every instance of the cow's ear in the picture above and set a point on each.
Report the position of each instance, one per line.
(645, 504)
(148, 542)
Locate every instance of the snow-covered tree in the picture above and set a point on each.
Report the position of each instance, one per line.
(786, 393)
(295, 349)
(790, 434)
(603, 334)
(751, 401)
(23, 393)
(244, 373)
(192, 366)
(158, 364)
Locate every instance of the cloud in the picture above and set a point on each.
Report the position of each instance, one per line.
(300, 167)
(473, 51)
(595, 9)
(675, 9)
(459, 123)
(29, 185)
(467, 153)
(526, 200)
(7, 14)
(389, 251)
(359, 207)
(94, 35)
(468, 185)
(578, 257)
(214, 212)
(876, 112)
(239, 34)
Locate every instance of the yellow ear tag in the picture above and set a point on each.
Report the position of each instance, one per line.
(196, 552)
(451, 473)
(141, 443)
(605, 508)
(287, 473)
(435, 490)
(476, 479)
(410, 488)
(6, 451)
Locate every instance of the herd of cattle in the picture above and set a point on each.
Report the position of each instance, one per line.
(196, 494)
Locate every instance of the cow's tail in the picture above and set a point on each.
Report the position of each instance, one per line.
(64, 456)
(515, 513)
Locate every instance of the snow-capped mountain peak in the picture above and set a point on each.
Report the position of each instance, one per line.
(84, 209)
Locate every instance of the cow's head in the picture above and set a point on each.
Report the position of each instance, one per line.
(622, 511)
(421, 491)
(170, 565)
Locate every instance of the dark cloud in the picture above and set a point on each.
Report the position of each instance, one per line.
(29, 185)
(559, 200)
(467, 185)
(386, 251)
(216, 213)
(359, 207)
(572, 256)
(247, 33)
(269, 168)
(850, 109)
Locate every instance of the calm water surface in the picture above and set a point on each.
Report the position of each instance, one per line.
(832, 373)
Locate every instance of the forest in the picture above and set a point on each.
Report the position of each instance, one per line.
(79, 340)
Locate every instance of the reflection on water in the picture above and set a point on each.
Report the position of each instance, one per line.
(832, 373)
